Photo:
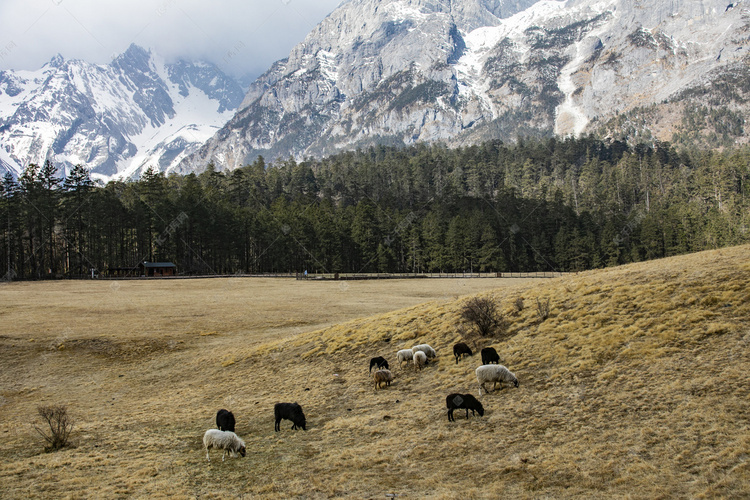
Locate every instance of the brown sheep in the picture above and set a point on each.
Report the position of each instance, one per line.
(382, 376)
(420, 359)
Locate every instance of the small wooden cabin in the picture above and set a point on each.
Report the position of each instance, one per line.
(158, 269)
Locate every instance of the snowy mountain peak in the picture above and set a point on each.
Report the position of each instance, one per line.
(56, 61)
(116, 119)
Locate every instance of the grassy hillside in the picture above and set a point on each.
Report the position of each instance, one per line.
(635, 386)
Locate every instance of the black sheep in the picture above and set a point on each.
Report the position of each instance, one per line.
(289, 411)
(225, 420)
(378, 362)
(457, 401)
(489, 355)
(460, 349)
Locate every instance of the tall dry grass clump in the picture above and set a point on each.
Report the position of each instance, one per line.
(542, 308)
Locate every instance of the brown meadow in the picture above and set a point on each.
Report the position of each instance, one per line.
(636, 386)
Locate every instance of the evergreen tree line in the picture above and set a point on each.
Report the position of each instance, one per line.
(535, 205)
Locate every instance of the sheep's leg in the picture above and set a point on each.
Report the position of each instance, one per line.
(207, 457)
(467, 414)
(224, 453)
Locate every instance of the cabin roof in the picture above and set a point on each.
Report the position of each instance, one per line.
(158, 264)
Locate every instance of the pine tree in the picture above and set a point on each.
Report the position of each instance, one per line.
(77, 188)
(365, 236)
(9, 192)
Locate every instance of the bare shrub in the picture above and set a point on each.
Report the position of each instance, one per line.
(518, 305)
(484, 316)
(542, 308)
(58, 426)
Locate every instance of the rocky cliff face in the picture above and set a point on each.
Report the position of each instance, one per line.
(463, 71)
(117, 119)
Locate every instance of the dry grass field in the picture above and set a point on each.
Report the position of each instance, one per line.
(635, 386)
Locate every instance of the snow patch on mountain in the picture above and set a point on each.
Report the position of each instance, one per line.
(570, 118)
(327, 64)
(8, 164)
(163, 147)
(402, 11)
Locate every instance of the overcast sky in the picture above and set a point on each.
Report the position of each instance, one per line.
(240, 36)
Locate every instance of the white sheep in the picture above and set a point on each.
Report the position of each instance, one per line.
(420, 359)
(495, 374)
(404, 355)
(223, 440)
(425, 348)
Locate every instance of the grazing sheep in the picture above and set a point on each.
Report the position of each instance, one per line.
(378, 362)
(404, 355)
(382, 376)
(225, 420)
(460, 349)
(425, 348)
(289, 411)
(223, 440)
(456, 401)
(495, 374)
(489, 355)
(420, 359)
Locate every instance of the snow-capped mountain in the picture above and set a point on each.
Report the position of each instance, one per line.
(116, 119)
(464, 71)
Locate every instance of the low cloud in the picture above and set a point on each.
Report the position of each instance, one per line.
(243, 37)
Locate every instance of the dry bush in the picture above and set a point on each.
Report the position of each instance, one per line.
(59, 423)
(484, 316)
(542, 308)
(518, 305)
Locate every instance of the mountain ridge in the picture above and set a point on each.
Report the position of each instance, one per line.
(399, 72)
(117, 119)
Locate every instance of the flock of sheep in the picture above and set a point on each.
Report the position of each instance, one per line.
(223, 437)
(421, 354)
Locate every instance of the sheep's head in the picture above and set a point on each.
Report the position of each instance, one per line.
(242, 451)
(302, 424)
(515, 382)
(480, 410)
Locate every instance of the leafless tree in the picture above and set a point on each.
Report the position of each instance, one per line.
(56, 427)
(484, 316)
